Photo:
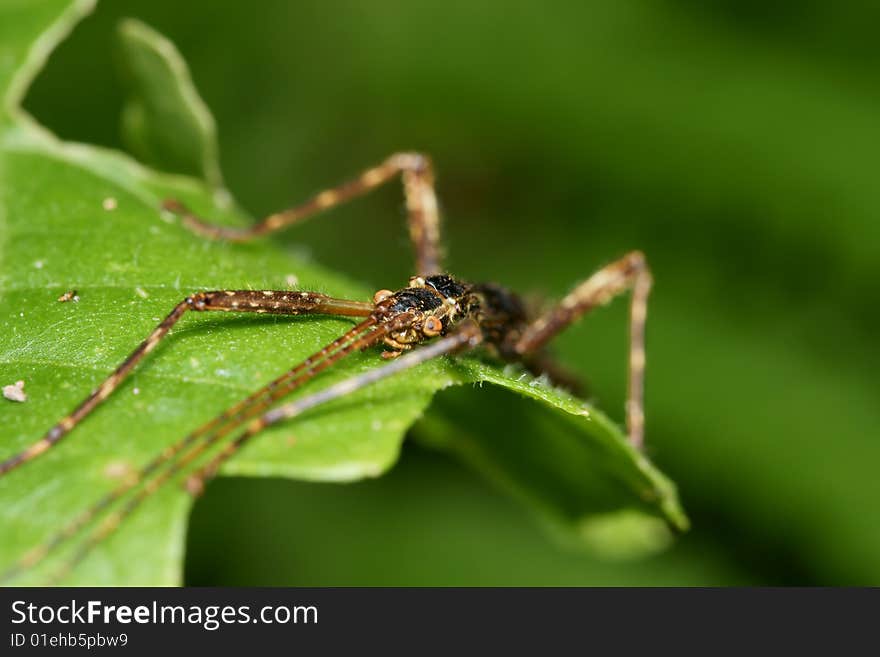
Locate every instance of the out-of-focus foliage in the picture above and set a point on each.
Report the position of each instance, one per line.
(737, 144)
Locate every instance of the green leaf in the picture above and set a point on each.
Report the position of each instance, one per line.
(74, 216)
(542, 460)
(162, 94)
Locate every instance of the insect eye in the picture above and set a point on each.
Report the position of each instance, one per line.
(432, 327)
(381, 295)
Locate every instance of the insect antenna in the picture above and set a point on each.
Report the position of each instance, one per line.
(175, 456)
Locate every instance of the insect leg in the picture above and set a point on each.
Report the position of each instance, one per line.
(466, 336)
(629, 273)
(423, 217)
(195, 443)
(268, 301)
(354, 340)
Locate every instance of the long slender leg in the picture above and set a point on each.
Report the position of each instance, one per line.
(423, 217)
(629, 273)
(192, 445)
(467, 336)
(259, 301)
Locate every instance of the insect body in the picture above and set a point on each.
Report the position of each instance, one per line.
(435, 314)
(437, 303)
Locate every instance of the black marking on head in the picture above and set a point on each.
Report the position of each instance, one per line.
(415, 298)
(447, 285)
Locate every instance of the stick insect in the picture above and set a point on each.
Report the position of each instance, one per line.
(434, 315)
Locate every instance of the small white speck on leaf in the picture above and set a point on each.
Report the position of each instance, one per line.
(118, 470)
(542, 381)
(142, 293)
(109, 204)
(292, 280)
(39, 264)
(136, 391)
(15, 392)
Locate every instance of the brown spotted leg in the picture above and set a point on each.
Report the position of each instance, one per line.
(151, 476)
(258, 301)
(465, 336)
(423, 216)
(629, 273)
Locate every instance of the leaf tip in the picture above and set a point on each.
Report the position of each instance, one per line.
(625, 534)
(165, 121)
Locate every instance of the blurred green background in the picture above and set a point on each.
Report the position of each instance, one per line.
(736, 143)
